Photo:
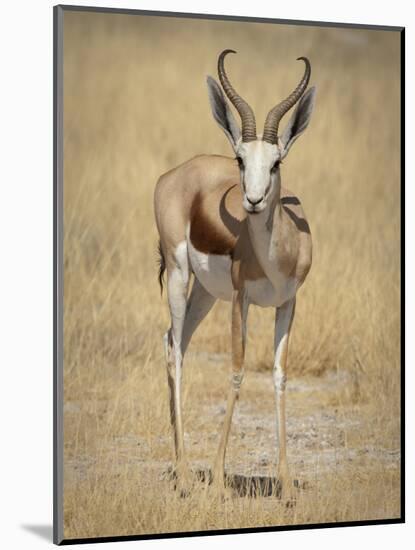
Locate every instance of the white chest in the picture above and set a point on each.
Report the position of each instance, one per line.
(276, 288)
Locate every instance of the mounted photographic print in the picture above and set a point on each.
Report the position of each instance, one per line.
(228, 274)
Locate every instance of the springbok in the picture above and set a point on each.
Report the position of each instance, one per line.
(245, 239)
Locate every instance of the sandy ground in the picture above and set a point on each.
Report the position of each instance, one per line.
(334, 449)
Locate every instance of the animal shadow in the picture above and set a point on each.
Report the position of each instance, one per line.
(244, 486)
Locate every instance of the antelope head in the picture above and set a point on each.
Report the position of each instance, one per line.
(259, 157)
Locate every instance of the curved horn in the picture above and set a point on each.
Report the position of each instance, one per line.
(244, 110)
(275, 115)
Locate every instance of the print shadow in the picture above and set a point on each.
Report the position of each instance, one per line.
(43, 531)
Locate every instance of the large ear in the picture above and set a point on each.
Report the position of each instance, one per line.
(299, 120)
(222, 112)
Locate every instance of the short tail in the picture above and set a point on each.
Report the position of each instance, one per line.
(162, 266)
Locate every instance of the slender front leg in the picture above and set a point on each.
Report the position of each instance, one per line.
(239, 315)
(283, 322)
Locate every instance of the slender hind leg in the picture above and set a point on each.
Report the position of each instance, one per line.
(283, 322)
(177, 340)
(177, 288)
(198, 306)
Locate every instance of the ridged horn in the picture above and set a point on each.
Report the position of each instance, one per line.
(244, 110)
(275, 115)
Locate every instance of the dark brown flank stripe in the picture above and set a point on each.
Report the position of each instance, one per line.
(210, 233)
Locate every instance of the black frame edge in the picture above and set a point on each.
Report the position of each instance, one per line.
(247, 530)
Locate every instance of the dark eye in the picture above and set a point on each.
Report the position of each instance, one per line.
(240, 162)
(275, 166)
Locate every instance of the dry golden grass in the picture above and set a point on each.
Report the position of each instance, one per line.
(135, 105)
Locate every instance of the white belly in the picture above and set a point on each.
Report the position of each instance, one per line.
(262, 293)
(213, 272)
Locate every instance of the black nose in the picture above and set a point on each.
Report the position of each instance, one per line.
(254, 202)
